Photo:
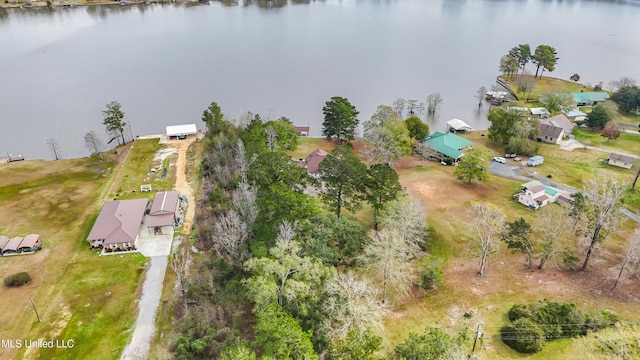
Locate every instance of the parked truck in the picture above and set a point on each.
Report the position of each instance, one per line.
(535, 161)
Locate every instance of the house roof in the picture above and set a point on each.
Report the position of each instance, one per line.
(458, 125)
(312, 162)
(160, 220)
(302, 128)
(541, 198)
(560, 121)
(119, 221)
(165, 202)
(595, 96)
(537, 188)
(550, 130)
(185, 129)
(448, 144)
(574, 113)
(3, 241)
(13, 244)
(30, 240)
(539, 111)
(623, 158)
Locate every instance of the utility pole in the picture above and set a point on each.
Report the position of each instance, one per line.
(34, 307)
(475, 340)
(54, 147)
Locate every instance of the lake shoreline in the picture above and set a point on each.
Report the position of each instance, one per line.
(70, 4)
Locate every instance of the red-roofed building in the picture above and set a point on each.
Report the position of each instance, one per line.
(162, 216)
(302, 130)
(118, 225)
(31, 243)
(312, 162)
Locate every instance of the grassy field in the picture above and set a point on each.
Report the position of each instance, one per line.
(506, 281)
(306, 145)
(545, 85)
(80, 295)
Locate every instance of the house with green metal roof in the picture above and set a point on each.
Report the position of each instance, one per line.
(447, 146)
(589, 98)
(535, 195)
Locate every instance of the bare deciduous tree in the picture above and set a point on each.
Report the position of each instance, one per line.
(434, 101)
(552, 232)
(411, 106)
(229, 235)
(632, 257)
(180, 265)
(244, 203)
(488, 223)
(407, 216)
(399, 105)
(481, 94)
(354, 306)
(420, 108)
(423, 151)
(387, 257)
(620, 83)
(602, 210)
(93, 143)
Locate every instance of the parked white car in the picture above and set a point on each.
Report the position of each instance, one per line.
(500, 159)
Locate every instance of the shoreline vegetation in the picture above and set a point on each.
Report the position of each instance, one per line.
(25, 4)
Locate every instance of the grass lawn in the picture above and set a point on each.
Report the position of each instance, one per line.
(145, 155)
(80, 295)
(306, 145)
(507, 280)
(545, 85)
(628, 143)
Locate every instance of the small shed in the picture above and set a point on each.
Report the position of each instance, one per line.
(181, 131)
(540, 112)
(12, 246)
(145, 188)
(575, 114)
(623, 161)
(535, 160)
(31, 243)
(302, 130)
(3, 242)
(457, 125)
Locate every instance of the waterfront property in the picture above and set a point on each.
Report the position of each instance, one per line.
(620, 160)
(535, 195)
(181, 131)
(589, 98)
(448, 146)
(560, 121)
(162, 216)
(457, 125)
(118, 225)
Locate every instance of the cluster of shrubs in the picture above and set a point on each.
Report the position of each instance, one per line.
(17, 279)
(532, 325)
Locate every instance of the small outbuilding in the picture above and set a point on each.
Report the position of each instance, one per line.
(540, 112)
(181, 131)
(12, 246)
(3, 242)
(31, 243)
(162, 216)
(575, 114)
(302, 130)
(457, 125)
(623, 161)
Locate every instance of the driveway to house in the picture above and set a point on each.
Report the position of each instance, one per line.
(158, 248)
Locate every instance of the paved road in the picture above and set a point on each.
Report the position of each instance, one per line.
(515, 172)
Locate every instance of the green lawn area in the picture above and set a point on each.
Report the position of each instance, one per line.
(306, 145)
(137, 170)
(80, 295)
(545, 85)
(628, 143)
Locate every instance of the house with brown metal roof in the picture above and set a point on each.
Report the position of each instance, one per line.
(623, 161)
(312, 162)
(30, 243)
(162, 216)
(302, 130)
(118, 225)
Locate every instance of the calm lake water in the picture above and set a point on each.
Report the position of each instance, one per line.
(166, 63)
